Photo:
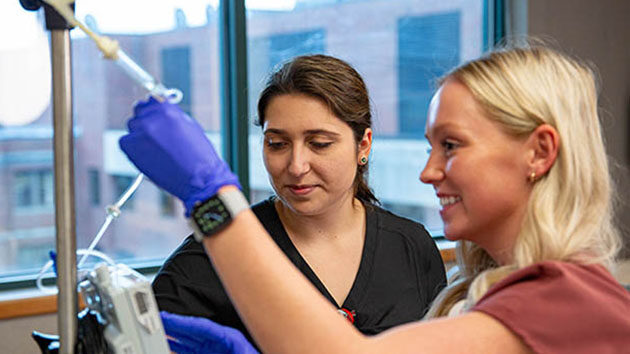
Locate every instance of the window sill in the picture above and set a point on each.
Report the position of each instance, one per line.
(30, 302)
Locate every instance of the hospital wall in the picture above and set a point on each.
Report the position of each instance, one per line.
(597, 31)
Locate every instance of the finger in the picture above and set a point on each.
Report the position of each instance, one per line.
(143, 105)
(191, 328)
(179, 348)
(133, 124)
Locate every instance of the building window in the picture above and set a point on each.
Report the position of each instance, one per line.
(167, 204)
(286, 46)
(428, 46)
(34, 189)
(267, 52)
(94, 186)
(121, 183)
(176, 73)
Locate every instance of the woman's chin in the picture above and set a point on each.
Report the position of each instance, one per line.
(451, 235)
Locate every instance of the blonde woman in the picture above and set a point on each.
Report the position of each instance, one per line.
(519, 166)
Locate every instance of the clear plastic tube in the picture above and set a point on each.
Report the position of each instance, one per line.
(45, 271)
(111, 50)
(113, 211)
(139, 75)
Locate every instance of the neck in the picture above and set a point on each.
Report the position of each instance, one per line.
(335, 221)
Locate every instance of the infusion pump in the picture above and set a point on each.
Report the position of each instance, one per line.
(124, 300)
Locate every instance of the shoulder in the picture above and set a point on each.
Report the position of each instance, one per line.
(561, 277)
(388, 224)
(186, 260)
(391, 222)
(566, 299)
(265, 210)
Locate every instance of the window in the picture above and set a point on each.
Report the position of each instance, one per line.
(167, 204)
(176, 72)
(428, 46)
(179, 45)
(95, 187)
(272, 50)
(121, 183)
(34, 190)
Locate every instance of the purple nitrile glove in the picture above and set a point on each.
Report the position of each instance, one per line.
(200, 335)
(172, 150)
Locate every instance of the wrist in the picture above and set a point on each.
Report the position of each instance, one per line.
(213, 214)
(227, 188)
(202, 195)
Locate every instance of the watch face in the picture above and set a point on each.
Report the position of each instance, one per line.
(211, 215)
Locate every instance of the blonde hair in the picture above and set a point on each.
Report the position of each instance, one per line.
(569, 213)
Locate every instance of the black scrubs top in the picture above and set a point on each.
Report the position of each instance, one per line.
(400, 273)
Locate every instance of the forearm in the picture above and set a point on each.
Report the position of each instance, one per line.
(282, 310)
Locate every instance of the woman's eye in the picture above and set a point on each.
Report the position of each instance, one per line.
(276, 145)
(449, 145)
(320, 145)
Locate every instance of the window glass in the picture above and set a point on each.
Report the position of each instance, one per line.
(121, 183)
(33, 189)
(167, 203)
(176, 42)
(95, 186)
(400, 47)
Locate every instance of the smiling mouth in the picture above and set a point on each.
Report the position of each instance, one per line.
(446, 201)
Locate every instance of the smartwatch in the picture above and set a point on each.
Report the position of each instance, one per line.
(215, 213)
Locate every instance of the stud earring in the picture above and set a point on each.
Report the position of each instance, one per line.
(532, 177)
(363, 160)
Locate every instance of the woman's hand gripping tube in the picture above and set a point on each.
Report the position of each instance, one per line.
(172, 150)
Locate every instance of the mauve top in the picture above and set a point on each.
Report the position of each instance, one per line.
(558, 307)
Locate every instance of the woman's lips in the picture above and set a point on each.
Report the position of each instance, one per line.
(301, 189)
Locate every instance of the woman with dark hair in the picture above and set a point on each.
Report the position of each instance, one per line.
(378, 269)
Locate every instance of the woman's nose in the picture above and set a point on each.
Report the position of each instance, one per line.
(299, 163)
(432, 172)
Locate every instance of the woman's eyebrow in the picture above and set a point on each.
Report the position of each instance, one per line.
(322, 132)
(274, 131)
(306, 133)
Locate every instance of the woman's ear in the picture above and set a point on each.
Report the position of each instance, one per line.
(365, 145)
(544, 143)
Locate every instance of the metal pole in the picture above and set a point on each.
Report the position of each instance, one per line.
(65, 220)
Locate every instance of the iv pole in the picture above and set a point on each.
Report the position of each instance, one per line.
(65, 220)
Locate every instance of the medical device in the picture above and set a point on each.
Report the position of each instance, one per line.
(121, 317)
(124, 300)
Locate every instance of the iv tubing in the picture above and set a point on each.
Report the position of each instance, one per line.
(113, 211)
(111, 50)
(45, 269)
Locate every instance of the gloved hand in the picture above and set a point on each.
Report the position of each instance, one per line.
(201, 335)
(172, 150)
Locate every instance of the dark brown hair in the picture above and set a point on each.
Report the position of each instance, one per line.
(336, 84)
